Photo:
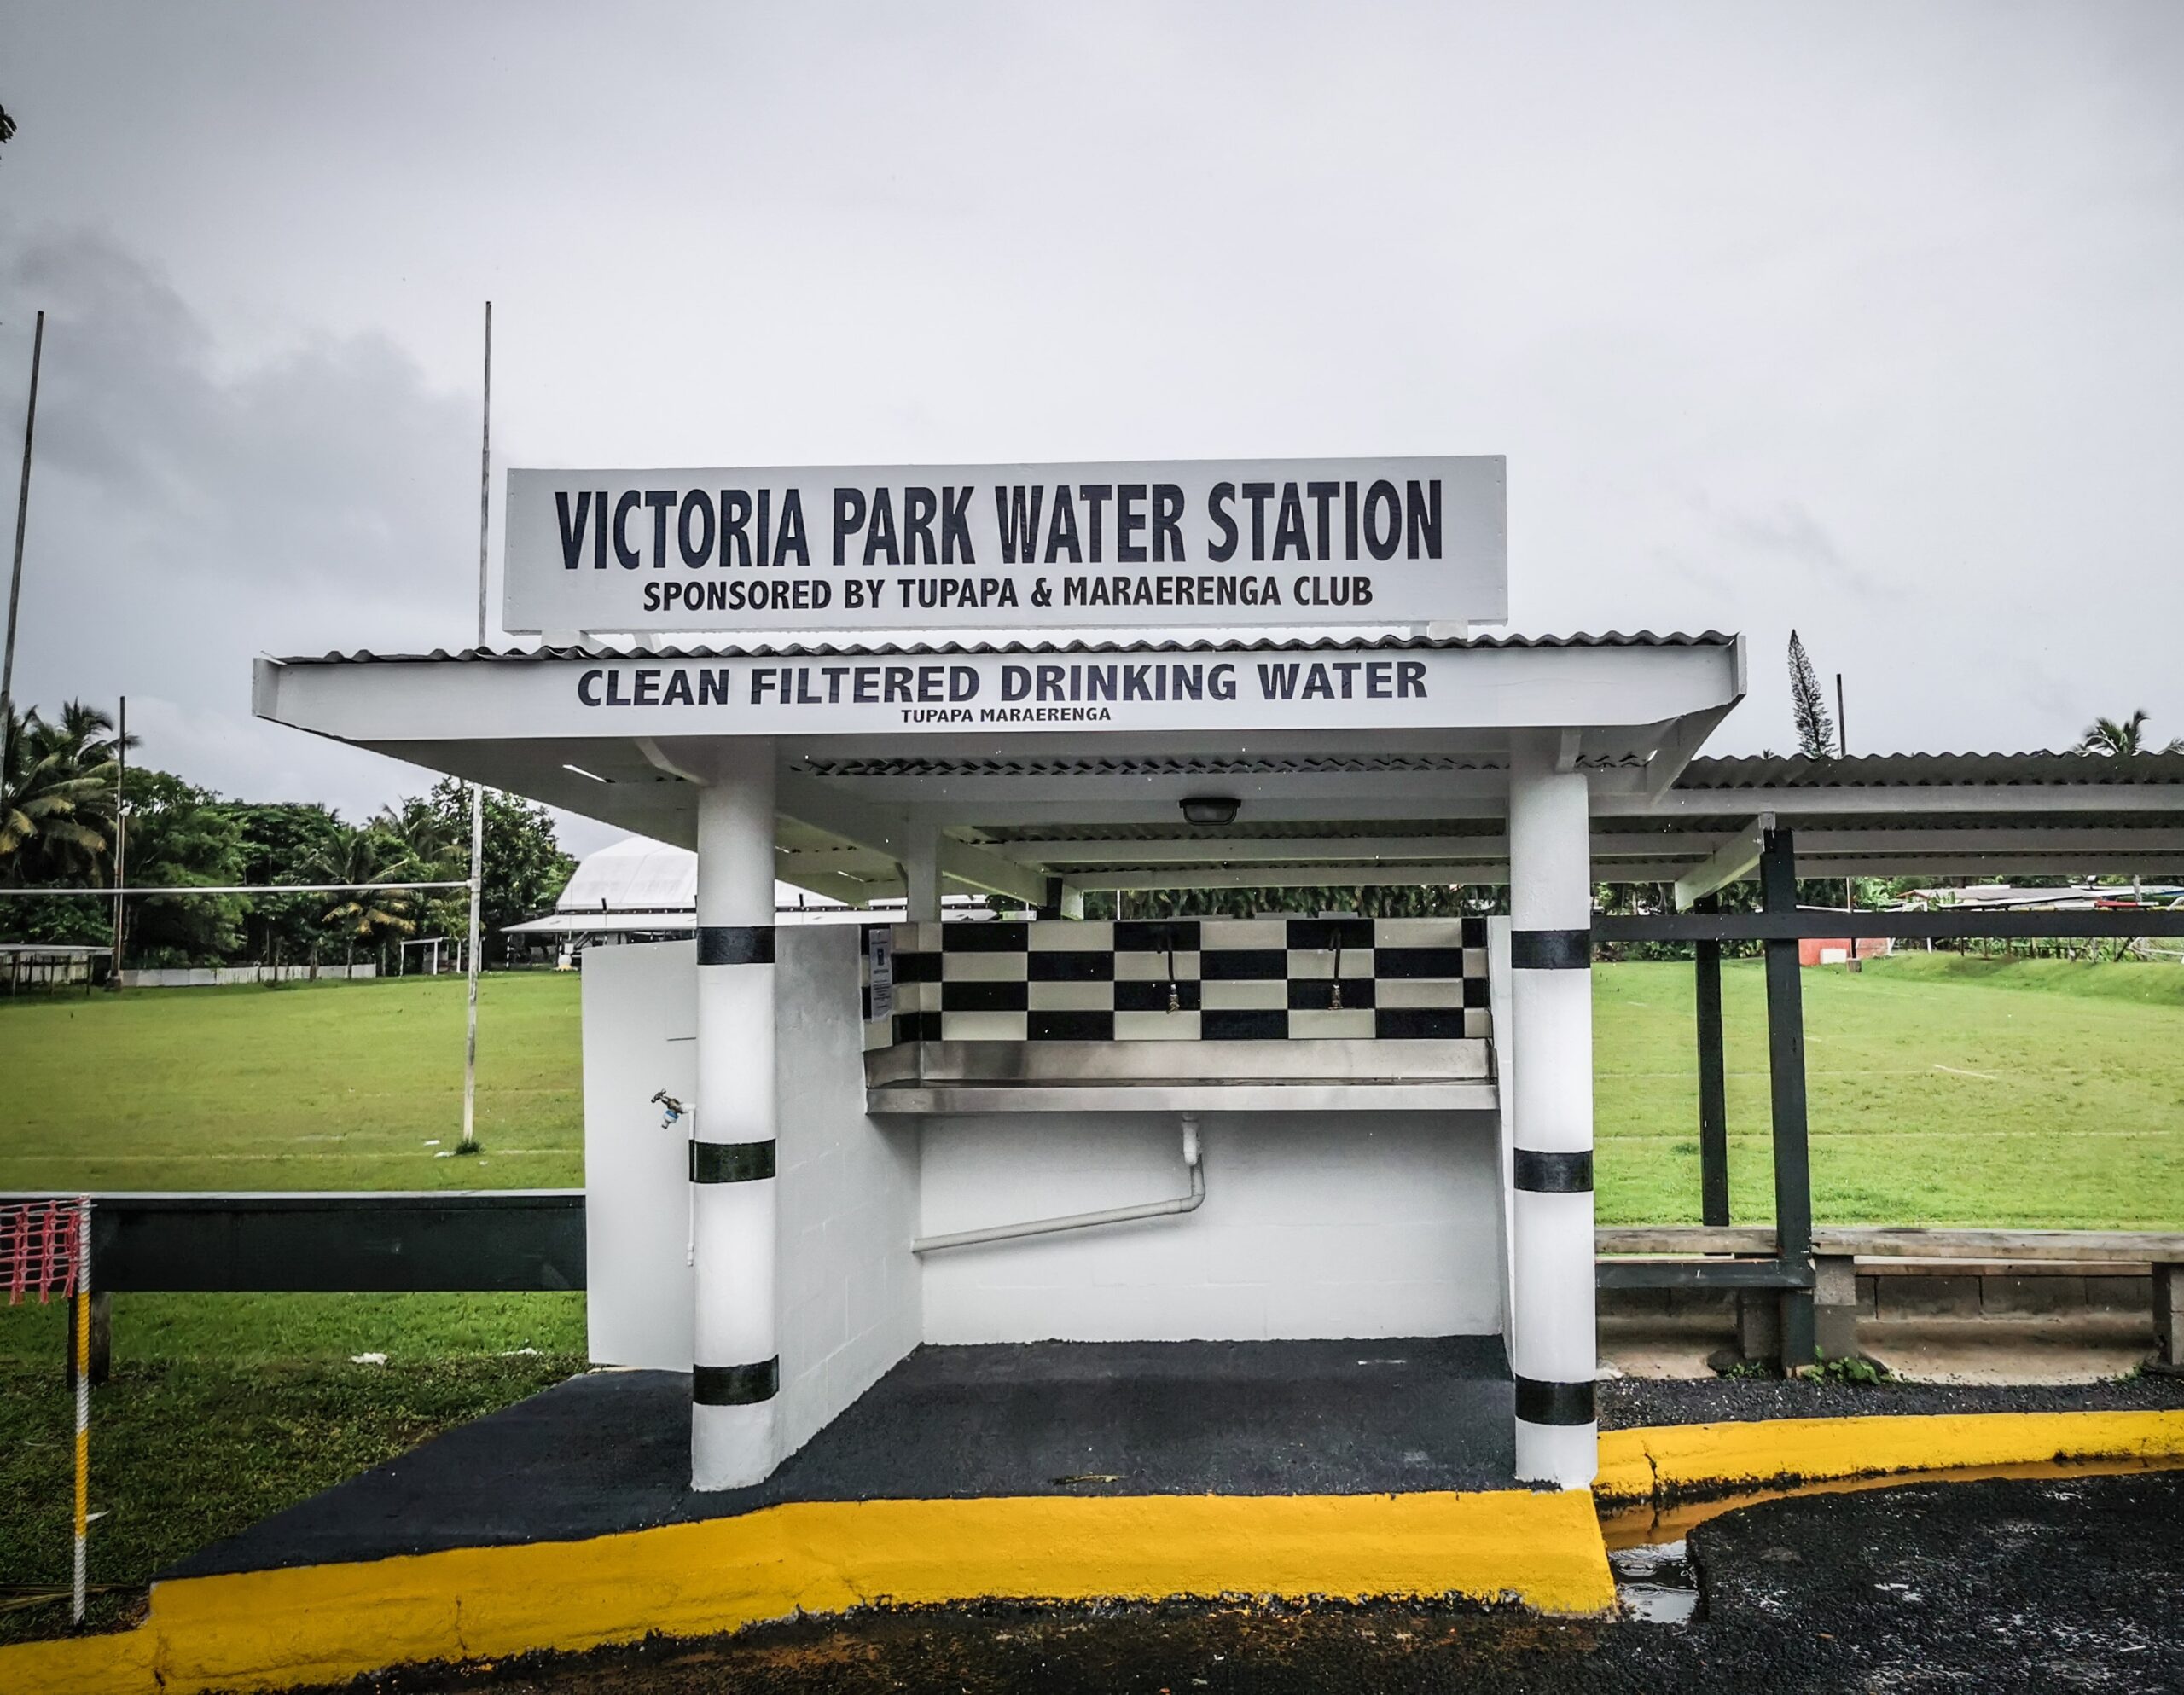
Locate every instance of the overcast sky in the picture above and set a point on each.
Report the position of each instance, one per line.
(1865, 319)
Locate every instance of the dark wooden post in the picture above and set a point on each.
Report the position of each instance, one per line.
(1713, 1095)
(1785, 1072)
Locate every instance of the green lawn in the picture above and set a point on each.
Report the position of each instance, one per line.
(306, 1086)
(1944, 1090)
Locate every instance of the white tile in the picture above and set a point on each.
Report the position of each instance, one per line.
(1316, 965)
(1237, 996)
(1068, 936)
(982, 968)
(1227, 933)
(1156, 1026)
(1420, 991)
(1320, 1025)
(983, 1027)
(1136, 966)
(1478, 1024)
(1418, 932)
(1073, 997)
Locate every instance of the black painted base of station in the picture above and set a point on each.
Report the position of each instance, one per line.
(610, 1451)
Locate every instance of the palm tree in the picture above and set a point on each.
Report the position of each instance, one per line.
(2108, 735)
(57, 795)
(366, 914)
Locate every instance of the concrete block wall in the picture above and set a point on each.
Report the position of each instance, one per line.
(1338, 1224)
(849, 1192)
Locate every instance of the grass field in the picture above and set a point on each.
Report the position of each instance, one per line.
(1944, 1090)
(306, 1086)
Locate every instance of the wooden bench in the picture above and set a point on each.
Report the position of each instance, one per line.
(2019, 1272)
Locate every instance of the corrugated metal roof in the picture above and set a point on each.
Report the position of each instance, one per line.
(1643, 638)
(1125, 765)
(1927, 770)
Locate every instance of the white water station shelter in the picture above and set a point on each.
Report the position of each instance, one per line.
(997, 1133)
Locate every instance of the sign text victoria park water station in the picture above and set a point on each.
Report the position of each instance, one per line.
(1204, 542)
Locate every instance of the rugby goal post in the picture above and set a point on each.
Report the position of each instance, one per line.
(45, 1250)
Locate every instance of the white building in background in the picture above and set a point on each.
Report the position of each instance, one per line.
(639, 890)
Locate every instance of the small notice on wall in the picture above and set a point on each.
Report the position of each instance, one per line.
(1232, 542)
(879, 957)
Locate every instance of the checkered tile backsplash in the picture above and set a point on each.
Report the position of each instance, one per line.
(1185, 979)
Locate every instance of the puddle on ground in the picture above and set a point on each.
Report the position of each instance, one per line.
(1656, 1583)
(1644, 1525)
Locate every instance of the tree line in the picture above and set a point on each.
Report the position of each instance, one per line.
(69, 793)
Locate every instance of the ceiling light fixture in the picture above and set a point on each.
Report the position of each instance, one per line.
(1210, 809)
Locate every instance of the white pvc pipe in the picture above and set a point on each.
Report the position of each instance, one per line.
(1086, 1221)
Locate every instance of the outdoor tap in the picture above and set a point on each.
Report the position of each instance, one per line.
(1174, 1001)
(671, 1109)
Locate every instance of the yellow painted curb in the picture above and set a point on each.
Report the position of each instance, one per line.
(323, 1624)
(1663, 1462)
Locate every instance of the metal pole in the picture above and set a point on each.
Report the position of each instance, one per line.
(1785, 1073)
(120, 835)
(15, 576)
(1842, 751)
(470, 1142)
(1713, 1093)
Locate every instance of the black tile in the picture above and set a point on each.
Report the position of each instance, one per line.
(985, 997)
(1071, 967)
(1243, 1024)
(917, 1026)
(1152, 997)
(1081, 1026)
(1156, 935)
(1475, 991)
(1009, 936)
(1418, 1024)
(1413, 962)
(1314, 995)
(917, 967)
(1243, 965)
(1352, 935)
(1474, 932)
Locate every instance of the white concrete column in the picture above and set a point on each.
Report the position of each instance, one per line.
(1553, 1351)
(922, 871)
(736, 1370)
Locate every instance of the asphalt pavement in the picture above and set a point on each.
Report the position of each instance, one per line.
(2064, 1584)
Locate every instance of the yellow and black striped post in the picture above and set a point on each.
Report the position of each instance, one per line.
(83, 1304)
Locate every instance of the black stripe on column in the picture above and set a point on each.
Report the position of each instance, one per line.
(736, 944)
(736, 1385)
(1551, 950)
(731, 1162)
(1554, 1403)
(1554, 1174)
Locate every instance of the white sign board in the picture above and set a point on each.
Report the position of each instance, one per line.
(879, 961)
(1231, 543)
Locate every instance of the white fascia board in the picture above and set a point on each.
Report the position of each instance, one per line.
(1502, 688)
(1255, 849)
(1901, 804)
(1483, 873)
